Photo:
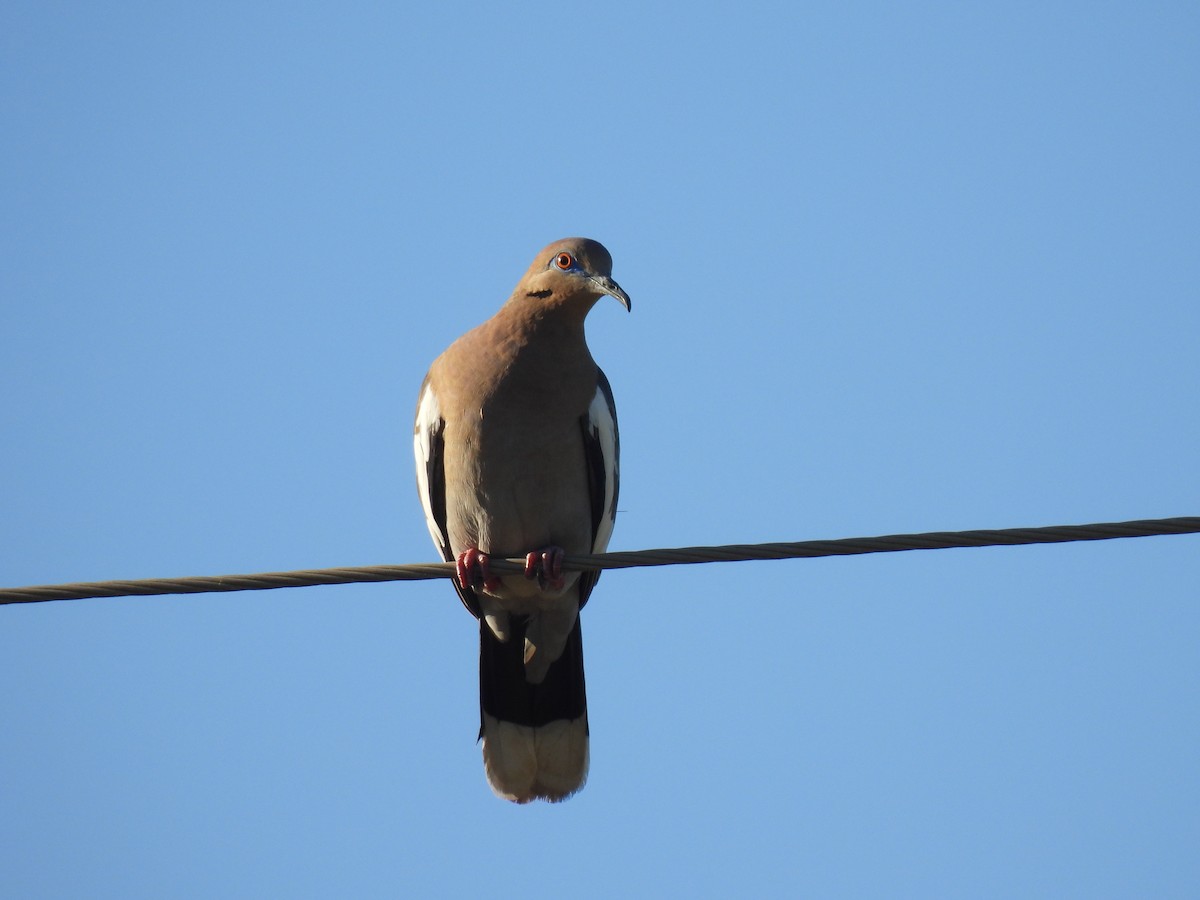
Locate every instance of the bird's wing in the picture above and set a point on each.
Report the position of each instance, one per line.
(428, 450)
(602, 450)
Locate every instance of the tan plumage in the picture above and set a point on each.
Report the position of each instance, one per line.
(516, 446)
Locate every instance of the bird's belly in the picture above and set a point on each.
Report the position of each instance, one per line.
(537, 496)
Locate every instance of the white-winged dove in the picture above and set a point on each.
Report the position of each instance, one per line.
(516, 448)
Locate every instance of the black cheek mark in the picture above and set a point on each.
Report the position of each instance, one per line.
(542, 294)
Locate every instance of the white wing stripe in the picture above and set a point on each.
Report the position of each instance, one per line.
(429, 416)
(600, 420)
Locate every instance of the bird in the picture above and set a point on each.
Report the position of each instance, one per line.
(517, 455)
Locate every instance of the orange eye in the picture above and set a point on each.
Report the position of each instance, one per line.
(564, 261)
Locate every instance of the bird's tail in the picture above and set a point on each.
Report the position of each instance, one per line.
(535, 736)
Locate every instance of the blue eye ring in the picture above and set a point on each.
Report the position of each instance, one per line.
(564, 261)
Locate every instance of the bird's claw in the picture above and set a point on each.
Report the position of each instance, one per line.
(546, 565)
(472, 569)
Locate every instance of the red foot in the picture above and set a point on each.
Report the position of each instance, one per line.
(546, 566)
(473, 572)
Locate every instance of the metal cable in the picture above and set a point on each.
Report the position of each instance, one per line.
(934, 540)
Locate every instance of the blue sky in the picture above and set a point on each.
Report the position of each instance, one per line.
(893, 269)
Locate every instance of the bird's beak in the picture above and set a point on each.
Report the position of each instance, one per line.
(605, 285)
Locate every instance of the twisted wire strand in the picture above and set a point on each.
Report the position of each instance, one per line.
(892, 543)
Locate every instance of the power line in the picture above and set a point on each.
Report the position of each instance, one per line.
(892, 543)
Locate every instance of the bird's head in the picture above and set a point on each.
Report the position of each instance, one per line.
(573, 269)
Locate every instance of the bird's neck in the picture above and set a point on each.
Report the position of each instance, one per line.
(550, 318)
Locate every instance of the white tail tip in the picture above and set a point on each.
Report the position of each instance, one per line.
(546, 762)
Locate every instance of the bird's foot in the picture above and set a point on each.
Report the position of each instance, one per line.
(473, 571)
(546, 565)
